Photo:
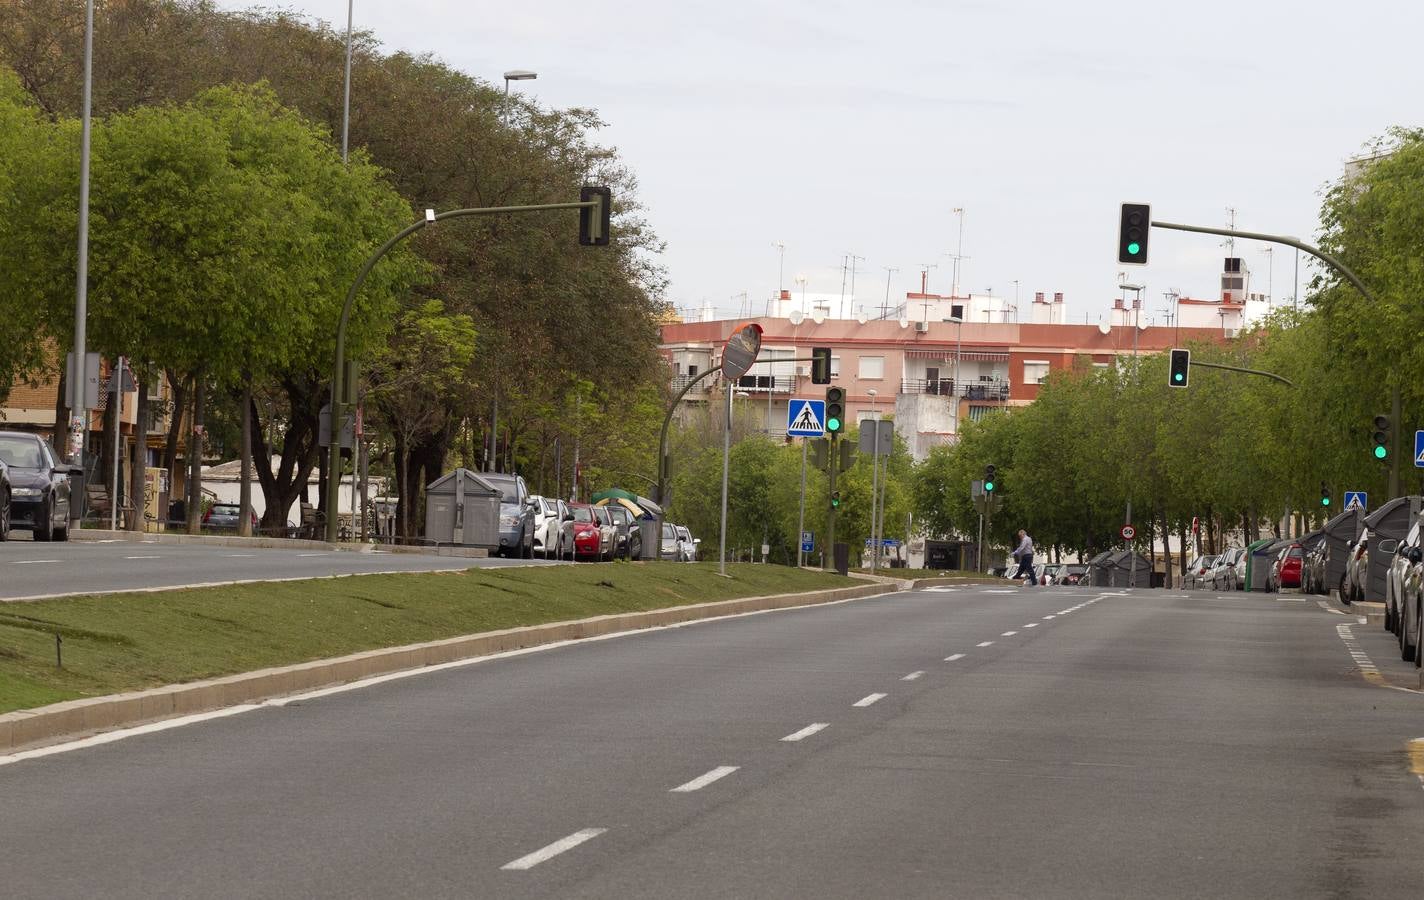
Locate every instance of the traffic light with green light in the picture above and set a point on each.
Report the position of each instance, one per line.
(1324, 494)
(1177, 372)
(1381, 438)
(991, 484)
(835, 499)
(835, 410)
(1132, 233)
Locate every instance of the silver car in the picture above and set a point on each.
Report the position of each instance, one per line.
(686, 544)
(516, 515)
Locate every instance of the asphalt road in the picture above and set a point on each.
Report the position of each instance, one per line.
(961, 743)
(28, 569)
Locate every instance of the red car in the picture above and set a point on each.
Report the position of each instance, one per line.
(588, 535)
(1285, 571)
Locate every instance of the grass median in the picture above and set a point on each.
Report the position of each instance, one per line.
(124, 642)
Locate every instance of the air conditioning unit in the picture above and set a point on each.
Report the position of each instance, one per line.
(803, 371)
(923, 326)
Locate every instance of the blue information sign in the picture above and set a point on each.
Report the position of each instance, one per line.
(808, 541)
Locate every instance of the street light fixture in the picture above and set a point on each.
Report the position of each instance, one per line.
(517, 75)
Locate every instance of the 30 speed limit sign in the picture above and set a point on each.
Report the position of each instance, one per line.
(1128, 532)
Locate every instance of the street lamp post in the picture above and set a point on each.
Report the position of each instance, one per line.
(517, 75)
(874, 477)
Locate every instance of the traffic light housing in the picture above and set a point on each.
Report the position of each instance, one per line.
(594, 222)
(835, 499)
(835, 410)
(1132, 234)
(1324, 494)
(1381, 438)
(820, 365)
(1180, 369)
(991, 484)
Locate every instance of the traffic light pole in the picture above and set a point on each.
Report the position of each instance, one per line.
(338, 413)
(833, 463)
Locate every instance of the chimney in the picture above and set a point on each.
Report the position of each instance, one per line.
(785, 294)
(1117, 304)
(1038, 297)
(1058, 297)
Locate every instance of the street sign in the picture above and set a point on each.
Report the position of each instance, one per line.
(808, 541)
(1357, 500)
(877, 437)
(805, 417)
(1419, 449)
(1128, 532)
(976, 490)
(1196, 525)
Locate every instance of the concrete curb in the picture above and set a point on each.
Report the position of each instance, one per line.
(1372, 612)
(75, 718)
(265, 543)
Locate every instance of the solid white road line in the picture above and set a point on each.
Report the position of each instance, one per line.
(31, 562)
(701, 781)
(912, 676)
(868, 699)
(554, 849)
(327, 553)
(1008, 634)
(1000, 591)
(954, 657)
(985, 644)
(109, 737)
(143, 557)
(807, 731)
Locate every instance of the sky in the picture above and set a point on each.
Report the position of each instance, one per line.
(838, 128)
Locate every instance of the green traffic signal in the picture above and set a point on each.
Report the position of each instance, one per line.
(1324, 501)
(833, 424)
(989, 487)
(835, 499)
(1381, 452)
(1134, 248)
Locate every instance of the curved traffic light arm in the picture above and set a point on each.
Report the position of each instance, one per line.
(1205, 365)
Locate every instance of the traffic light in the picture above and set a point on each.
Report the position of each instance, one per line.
(594, 221)
(1132, 234)
(835, 499)
(1324, 494)
(835, 410)
(990, 484)
(1178, 371)
(1381, 437)
(820, 365)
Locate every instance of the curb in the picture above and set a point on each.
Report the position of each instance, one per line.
(1372, 612)
(74, 718)
(266, 543)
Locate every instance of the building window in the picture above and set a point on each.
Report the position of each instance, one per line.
(872, 367)
(1035, 371)
(835, 367)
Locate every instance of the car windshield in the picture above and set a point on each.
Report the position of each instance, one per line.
(508, 490)
(21, 452)
(582, 514)
(669, 533)
(550, 506)
(224, 509)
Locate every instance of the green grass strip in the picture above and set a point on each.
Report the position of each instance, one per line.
(123, 642)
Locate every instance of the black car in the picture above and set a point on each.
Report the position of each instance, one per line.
(37, 488)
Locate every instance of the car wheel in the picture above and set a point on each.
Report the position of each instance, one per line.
(44, 522)
(1408, 643)
(5, 518)
(1391, 621)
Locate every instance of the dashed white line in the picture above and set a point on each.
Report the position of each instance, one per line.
(239, 555)
(327, 553)
(807, 731)
(143, 557)
(1000, 591)
(912, 676)
(1064, 612)
(868, 699)
(1008, 634)
(953, 657)
(985, 644)
(31, 562)
(701, 781)
(553, 850)
(1046, 618)
(1031, 625)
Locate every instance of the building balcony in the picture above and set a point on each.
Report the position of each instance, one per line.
(945, 387)
(681, 381)
(762, 384)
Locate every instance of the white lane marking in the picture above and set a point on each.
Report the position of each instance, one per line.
(985, 644)
(807, 731)
(31, 562)
(912, 676)
(1046, 618)
(110, 541)
(1356, 653)
(1000, 591)
(554, 849)
(868, 699)
(1031, 625)
(954, 657)
(327, 553)
(239, 555)
(1064, 612)
(1008, 634)
(143, 557)
(1290, 600)
(701, 781)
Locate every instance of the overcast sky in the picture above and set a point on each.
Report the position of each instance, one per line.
(836, 127)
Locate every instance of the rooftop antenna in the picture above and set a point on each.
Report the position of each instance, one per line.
(925, 276)
(845, 262)
(958, 255)
(1230, 242)
(885, 307)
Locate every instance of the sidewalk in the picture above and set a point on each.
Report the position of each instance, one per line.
(267, 543)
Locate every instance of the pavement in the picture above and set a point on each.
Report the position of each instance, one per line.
(31, 570)
(953, 741)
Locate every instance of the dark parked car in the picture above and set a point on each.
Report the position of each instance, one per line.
(225, 516)
(36, 489)
(630, 536)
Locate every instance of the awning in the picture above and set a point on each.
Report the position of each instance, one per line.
(948, 354)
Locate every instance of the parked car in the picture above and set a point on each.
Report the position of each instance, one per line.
(1352, 583)
(516, 515)
(36, 487)
(1196, 575)
(1285, 568)
(630, 536)
(549, 529)
(1045, 572)
(687, 544)
(1071, 574)
(1222, 576)
(225, 517)
(670, 549)
(1399, 565)
(1312, 576)
(609, 529)
(1411, 614)
(1238, 570)
(590, 541)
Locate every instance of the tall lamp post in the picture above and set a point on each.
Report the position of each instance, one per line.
(518, 75)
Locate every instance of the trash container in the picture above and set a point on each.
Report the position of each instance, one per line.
(1099, 570)
(1262, 559)
(1127, 568)
(1340, 532)
(462, 508)
(1391, 522)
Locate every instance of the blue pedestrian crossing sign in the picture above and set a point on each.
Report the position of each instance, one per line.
(1357, 500)
(808, 541)
(805, 417)
(1419, 449)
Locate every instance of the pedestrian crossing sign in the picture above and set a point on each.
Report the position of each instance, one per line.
(1419, 449)
(1357, 500)
(805, 417)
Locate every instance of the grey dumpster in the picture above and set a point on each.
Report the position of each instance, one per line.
(1099, 570)
(1126, 568)
(1263, 559)
(650, 528)
(1339, 533)
(1391, 522)
(462, 508)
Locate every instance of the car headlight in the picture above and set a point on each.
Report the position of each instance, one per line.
(26, 492)
(508, 521)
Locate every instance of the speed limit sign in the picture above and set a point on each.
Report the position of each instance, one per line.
(1128, 532)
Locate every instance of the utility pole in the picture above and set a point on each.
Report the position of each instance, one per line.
(78, 409)
(832, 464)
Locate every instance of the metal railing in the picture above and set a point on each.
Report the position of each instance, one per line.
(945, 387)
(681, 381)
(761, 384)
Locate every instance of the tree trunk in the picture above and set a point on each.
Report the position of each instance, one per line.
(403, 477)
(288, 484)
(179, 391)
(1167, 549)
(244, 490)
(137, 494)
(61, 416)
(195, 458)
